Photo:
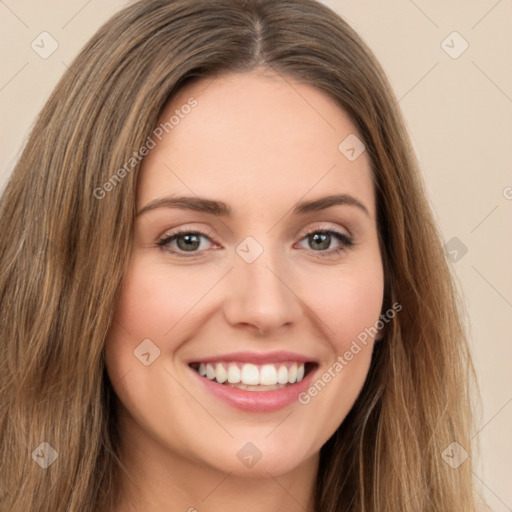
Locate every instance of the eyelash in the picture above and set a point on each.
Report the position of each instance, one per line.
(346, 241)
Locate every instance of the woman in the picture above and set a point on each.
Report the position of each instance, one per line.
(174, 336)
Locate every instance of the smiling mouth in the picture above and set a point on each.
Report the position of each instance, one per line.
(254, 377)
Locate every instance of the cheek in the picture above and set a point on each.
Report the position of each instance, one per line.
(158, 306)
(345, 302)
(348, 302)
(152, 304)
(147, 309)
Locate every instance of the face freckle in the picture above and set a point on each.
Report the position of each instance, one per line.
(253, 283)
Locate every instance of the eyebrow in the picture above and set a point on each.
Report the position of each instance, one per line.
(220, 208)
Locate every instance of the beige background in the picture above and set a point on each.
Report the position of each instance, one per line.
(459, 115)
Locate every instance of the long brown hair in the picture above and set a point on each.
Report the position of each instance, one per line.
(64, 251)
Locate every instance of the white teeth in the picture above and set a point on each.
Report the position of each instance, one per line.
(282, 375)
(292, 373)
(300, 372)
(210, 372)
(250, 374)
(233, 374)
(258, 388)
(268, 375)
(220, 373)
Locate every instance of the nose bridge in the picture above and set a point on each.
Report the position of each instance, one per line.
(259, 291)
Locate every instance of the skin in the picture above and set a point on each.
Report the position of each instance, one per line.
(259, 143)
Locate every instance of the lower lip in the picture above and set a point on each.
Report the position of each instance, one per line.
(257, 401)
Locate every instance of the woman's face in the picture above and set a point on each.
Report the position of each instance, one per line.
(267, 278)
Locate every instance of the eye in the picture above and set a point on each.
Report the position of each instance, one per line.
(186, 241)
(320, 239)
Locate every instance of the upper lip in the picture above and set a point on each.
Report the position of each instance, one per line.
(255, 357)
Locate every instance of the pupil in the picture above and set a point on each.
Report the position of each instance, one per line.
(317, 237)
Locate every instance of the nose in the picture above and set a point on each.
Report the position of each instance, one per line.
(261, 294)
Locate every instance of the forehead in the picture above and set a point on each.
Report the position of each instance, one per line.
(253, 138)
